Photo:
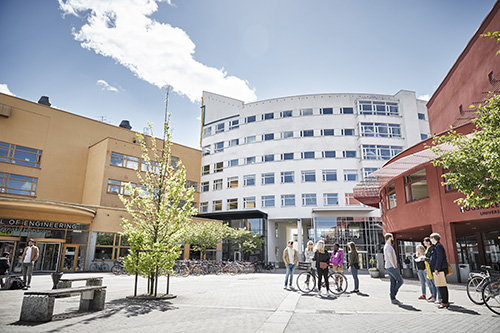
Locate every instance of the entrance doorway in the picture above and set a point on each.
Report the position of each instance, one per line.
(49, 256)
(73, 258)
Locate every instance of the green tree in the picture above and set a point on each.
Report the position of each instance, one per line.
(246, 240)
(473, 162)
(160, 209)
(205, 235)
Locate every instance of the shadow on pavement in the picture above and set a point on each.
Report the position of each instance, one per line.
(361, 294)
(408, 307)
(457, 308)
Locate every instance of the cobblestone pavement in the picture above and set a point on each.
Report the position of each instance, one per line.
(250, 303)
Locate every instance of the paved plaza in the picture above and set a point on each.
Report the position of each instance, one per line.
(251, 303)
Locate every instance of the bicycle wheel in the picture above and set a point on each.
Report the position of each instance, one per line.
(338, 283)
(491, 296)
(116, 269)
(94, 267)
(306, 282)
(182, 271)
(475, 289)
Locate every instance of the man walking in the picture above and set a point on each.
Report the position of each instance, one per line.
(391, 268)
(291, 259)
(30, 255)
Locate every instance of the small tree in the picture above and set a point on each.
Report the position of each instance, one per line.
(205, 235)
(160, 209)
(246, 240)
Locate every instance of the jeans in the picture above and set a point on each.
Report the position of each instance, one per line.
(431, 285)
(27, 272)
(289, 274)
(396, 281)
(354, 272)
(422, 276)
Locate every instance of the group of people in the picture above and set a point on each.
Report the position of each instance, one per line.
(432, 267)
(28, 258)
(320, 259)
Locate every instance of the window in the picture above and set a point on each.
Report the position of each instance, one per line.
(330, 199)
(207, 131)
(350, 175)
(205, 151)
(381, 130)
(308, 176)
(421, 116)
(328, 154)
(267, 116)
(234, 142)
(347, 110)
(250, 119)
(20, 155)
(416, 186)
(218, 167)
(124, 161)
(268, 158)
(326, 111)
(17, 184)
(267, 201)
(118, 187)
(219, 128)
(250, 160)
(267, 178)
(217, 185)
(327, 132)
(233, 163)
(380, 152)
(216, 205)
(390, 194)
(307, 155)
(349, 153)
(174, 162)
(378, 108)
(205, 186)
(287, 200)
(309, 199)
(234, 124)
(268, 136)
(249, 180)
(329, 175)
(232, 203)
(287, 134)
(104, 245)
(491, 76)
(150, 166)
(219, 147)
(286, 114)
(423, 136)
(287, 177)
(250, 139)
(191, 184)
(203, 207)
(350, 200)
(368, 171)
(232, 182)
(306, 112)
(205, 170)
(287, 156)
(348, 131)
(249, 202)
(307, 133)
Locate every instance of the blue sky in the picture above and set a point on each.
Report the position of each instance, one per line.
(110, 59)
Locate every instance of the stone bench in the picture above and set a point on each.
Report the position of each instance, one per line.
(38, 306)
(90, 282)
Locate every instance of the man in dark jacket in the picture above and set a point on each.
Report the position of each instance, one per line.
(439, 268)
(4, 266)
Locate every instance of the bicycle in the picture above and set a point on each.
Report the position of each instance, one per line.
(306, 281)
(491, 295)
(102, 267)
(476, 283)
(119, 267)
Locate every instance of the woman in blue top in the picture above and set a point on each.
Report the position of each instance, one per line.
(439, 265)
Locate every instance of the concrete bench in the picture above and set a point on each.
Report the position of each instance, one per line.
(68, 283)
(38, 306)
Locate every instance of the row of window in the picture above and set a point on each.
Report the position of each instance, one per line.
(132, 162)
(118, 186)
(17, 154)
(415, 189)
(17, 184)
(286, 200)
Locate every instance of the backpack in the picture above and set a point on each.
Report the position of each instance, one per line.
(16, 283)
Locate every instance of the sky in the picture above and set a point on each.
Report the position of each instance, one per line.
(110, 60)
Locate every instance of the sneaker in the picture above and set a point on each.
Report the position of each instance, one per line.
(422, 297)
(285, 287)
(437, 301)
(431, 299)
(319, 293)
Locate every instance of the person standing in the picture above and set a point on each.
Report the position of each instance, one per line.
(337, 261)
(322, 258)
(291, 259)
(4, 266)
(436, 297)
(354, 265)
(30, 255)
(421, 272)
(439, 268)
(391, 268)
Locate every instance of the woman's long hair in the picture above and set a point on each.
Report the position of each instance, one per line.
(352, 248)
(310, 246)
(320, 246)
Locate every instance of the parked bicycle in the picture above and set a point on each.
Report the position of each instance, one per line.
(306, 281)
(491, 295)
(99, 267)
(476, 283)
(119, 267)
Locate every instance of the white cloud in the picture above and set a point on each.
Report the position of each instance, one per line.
(5, 90)
(156, 52)
(425, 97)
(105, 86)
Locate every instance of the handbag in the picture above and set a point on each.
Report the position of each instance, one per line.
(450, 269)
(323, 265)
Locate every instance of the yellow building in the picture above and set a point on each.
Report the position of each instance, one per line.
(60, 175)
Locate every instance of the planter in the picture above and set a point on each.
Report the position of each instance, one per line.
(375, 274)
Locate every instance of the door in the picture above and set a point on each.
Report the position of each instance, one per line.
(49, 256)
(69, 257)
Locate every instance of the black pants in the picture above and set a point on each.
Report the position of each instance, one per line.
(323, 273)
(444, 290)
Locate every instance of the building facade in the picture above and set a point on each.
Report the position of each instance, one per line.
(286, 167)
(60, 176)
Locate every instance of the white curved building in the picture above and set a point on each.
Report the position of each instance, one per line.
(286, 167)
